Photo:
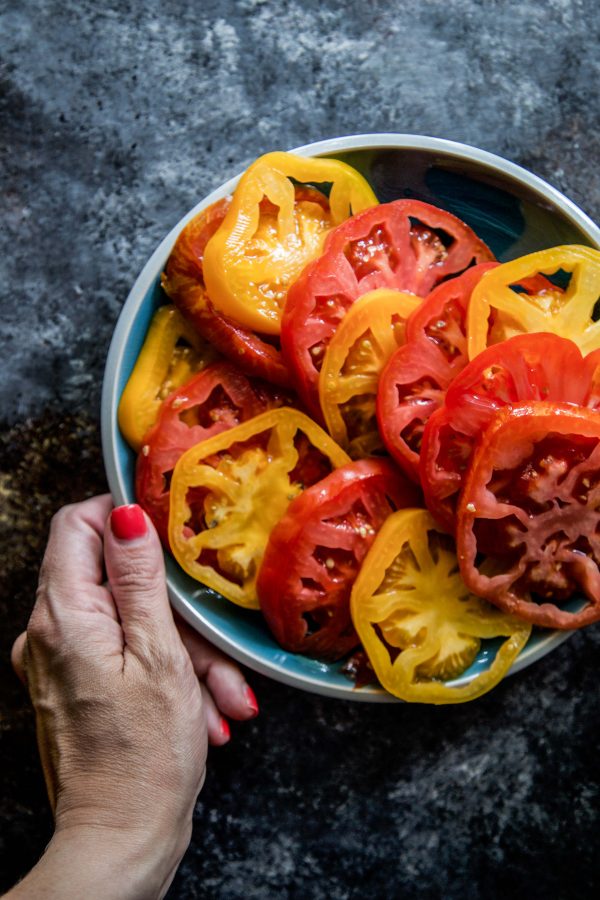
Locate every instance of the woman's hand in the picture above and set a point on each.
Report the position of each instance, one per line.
(122, 718)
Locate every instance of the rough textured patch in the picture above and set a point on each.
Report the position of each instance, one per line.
(115, 119)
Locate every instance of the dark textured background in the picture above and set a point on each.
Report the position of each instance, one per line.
(116, 119)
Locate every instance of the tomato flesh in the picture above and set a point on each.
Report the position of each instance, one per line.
(323, 538)
(414, 381)
(531, 506)
(218, 398)
(525, 367)
(365, 339)
(395, 245)
(228, 492)
(183, 281)
(419, 623)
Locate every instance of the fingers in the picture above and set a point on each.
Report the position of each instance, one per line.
(75, 543)
(72, 608)
(17, 657)
(136, 574)
(217, 727)
(72, 568)
(230, 692)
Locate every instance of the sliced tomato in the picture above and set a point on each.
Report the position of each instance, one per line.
(528, 523)
(259, 251)
(414, 381)
(518, 299)
(323, 538)
(228, 492)
(418, 622)
(525, 367)
(405, 245)
(220, 397)
(370, 332)
(172, 352)
(183, 281)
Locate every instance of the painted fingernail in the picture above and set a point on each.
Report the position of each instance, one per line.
(251, 699)
(128, 522)
(225, 729)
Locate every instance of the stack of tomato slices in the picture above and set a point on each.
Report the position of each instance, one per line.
(353, 418)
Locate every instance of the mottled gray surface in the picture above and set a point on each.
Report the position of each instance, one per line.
(116, 119)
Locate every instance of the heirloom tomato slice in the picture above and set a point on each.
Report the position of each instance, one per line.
(315, 551)
(414, 381)
(183, 282)
(419, 624)
(367, 336)
(172, 352)
(523, 368)
(218, 398)
(528, 522)
(229, 491)
(504, 304)
(256, 254)
(405, 245)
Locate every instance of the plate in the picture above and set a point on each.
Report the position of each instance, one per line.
(514, 211)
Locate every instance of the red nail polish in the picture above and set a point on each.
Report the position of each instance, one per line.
(251, 699)
(128, 522)
(225, 729)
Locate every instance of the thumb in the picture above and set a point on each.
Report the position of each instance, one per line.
(136, 575)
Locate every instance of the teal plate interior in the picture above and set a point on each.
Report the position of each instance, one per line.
(512, 210)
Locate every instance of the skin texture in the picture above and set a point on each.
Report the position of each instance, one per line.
(126, 701)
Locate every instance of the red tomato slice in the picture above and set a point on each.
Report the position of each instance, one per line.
(315, 551)
(413, 383)
(531, 504)
(183, 281)
(406, 245)
(526, 367)
(216, 399)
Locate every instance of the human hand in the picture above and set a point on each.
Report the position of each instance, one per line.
(122, 718)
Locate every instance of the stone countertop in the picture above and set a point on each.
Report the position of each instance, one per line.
(116, 119)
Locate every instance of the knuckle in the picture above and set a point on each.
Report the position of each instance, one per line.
(40, 631)
(137, 575)
(64, 516)
(64, 520)
(165, 665)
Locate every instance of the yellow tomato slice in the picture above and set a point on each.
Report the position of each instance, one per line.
(255, 255)
(419, 624)
(365, 339)
(228, 492)
(172, 352)
(497, 311)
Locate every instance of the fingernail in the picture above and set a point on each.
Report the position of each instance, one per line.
(251, 699)
(225, 729)
(128, 522)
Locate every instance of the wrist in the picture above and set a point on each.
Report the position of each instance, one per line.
(85, 860)
(138, 862)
